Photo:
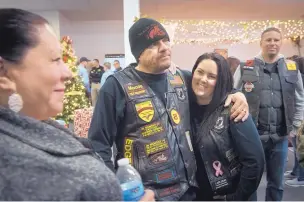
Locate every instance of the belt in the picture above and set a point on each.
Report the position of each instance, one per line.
(270, 128)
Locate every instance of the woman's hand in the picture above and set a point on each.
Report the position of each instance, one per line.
(149, 196)
(240, 109)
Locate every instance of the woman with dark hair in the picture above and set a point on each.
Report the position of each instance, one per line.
(39, 159)
(230, 157)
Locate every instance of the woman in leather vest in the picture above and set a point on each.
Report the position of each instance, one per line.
(230, 157)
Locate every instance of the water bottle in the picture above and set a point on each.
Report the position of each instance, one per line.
(130, 181)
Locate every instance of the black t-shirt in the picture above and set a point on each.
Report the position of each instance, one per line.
(157, 82)
(271, 67)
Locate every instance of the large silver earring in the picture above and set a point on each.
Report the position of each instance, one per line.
(15, 102)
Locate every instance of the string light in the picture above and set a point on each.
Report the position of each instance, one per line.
(74, 96)
(213, 32)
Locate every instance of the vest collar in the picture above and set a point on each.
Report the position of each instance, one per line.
(261, 59)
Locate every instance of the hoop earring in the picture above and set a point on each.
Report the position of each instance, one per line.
(15, 102)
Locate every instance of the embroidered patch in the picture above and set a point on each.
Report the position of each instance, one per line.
(161, 157)
(155, 31)
(221, 183)
(165, 175)
(135, 90)
(151, 129)
(291, 66)
(230, 155)
(217, 166)
(248, 86)
(180, 94)
(156, 146)
(145, 110)
(248, 67)
(219, 123)
(169, 191)
(176, 81)
(175, 116)
(128, 150)
(249, 63)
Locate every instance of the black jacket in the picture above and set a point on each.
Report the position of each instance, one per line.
(96, 74)
(235, 150)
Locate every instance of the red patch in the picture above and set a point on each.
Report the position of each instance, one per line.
(249, 63)
(169, 191)
(155, 31)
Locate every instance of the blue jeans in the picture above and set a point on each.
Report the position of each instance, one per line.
(275, 155)
(297, 169)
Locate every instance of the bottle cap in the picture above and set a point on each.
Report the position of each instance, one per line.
(123, 162)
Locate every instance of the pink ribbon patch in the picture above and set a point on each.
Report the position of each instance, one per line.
(217, 167)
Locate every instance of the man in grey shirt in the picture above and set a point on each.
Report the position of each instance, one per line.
(273, 87)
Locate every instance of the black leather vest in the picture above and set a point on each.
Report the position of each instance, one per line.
(220, 159)
(259, 91)
(157, 137)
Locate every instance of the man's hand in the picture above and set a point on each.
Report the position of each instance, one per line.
(149, 196)
(240, 109)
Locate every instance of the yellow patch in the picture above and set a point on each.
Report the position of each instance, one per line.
(157, 146)
(291, 66)
(176, 81)
(145, 110)
(128, 150)
(175, 116)
(151, 129)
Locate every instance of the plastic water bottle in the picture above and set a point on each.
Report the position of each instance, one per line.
(130, 181)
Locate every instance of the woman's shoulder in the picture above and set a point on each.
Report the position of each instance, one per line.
(56, 161)
(55, 177)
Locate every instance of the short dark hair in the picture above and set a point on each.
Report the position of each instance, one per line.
(224, 83)
(96, 60)
(270, 29)
(84, 59)
(18, 30)
(117, 61)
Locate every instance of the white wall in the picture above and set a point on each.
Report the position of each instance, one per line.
(95, 39)
(53, 18)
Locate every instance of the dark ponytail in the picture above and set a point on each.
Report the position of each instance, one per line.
(18, 33)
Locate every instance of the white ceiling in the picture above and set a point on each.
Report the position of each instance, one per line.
(94, 10)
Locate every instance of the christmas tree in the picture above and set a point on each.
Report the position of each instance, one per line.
(74, 96)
